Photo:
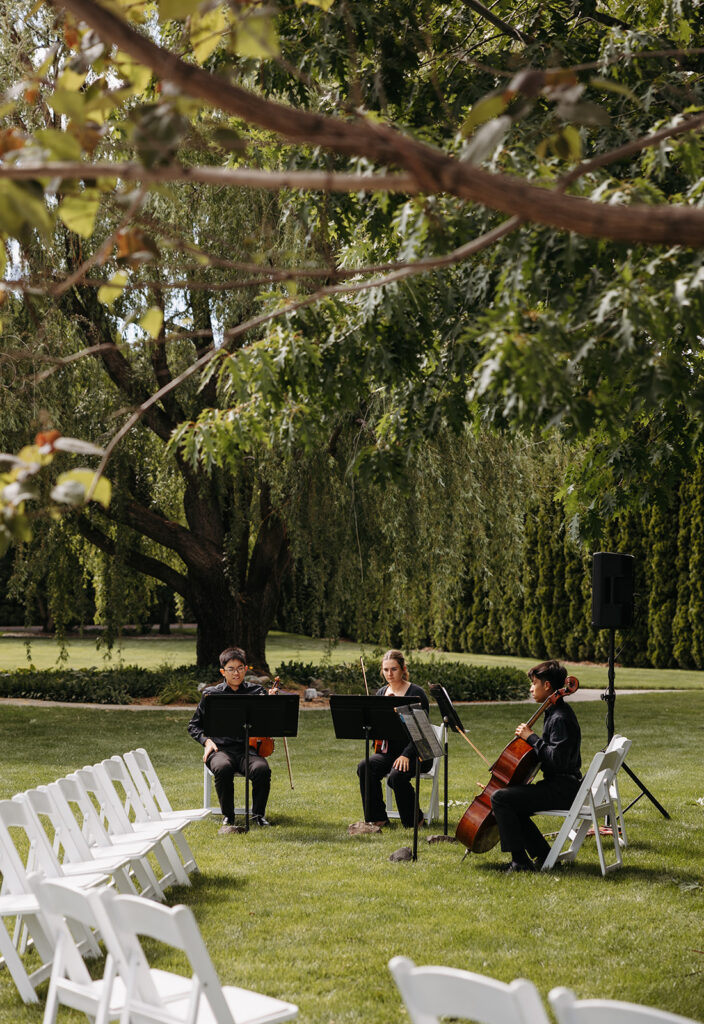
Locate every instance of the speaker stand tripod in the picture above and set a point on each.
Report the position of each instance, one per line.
(610, 698)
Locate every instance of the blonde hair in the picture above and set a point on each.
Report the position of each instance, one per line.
(395, 656)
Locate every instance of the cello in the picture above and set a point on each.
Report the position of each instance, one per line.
(516, 765)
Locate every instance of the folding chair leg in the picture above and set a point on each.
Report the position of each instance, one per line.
(11, 960)
(189, 861)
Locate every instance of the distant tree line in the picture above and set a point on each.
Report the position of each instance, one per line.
(538, 602)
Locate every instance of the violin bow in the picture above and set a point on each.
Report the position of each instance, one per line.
(277, 684)
(364, 674)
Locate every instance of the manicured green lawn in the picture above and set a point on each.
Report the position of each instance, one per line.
(305, 912)
(153, 651)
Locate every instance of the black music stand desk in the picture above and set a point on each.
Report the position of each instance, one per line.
(250, 715)
(426, 745)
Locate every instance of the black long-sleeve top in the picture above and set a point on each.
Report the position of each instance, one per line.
(558, 748)
(195, 726)
(421, 696)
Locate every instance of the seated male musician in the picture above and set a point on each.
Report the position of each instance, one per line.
(558, 751)
(225, 756)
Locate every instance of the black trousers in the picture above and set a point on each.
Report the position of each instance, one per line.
(225, 764)
(514, 805)
(381, 765)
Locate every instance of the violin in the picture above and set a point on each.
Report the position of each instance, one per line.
(264, 745)
(515, 766)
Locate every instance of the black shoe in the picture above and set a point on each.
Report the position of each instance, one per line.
(260, 820)
(520, 865)
(228, 821)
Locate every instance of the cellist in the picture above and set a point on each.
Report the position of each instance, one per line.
(558, 752)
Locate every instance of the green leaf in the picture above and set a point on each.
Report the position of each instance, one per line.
(325, 5)
(610, 86)
(72, 488)
(207, 31)
(574, 143)
(61, 145)
(482, 111)
(255, 36)
(20, 528)
(113, 289)
(152, 321)
(177, 10)
(79, 212)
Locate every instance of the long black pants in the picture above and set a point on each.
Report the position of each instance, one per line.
(381, 765)
(225, 764)
(514, 805)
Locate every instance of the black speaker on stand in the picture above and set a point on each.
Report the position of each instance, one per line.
(613, 579)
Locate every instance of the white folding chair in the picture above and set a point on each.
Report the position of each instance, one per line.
(98, 785)
(135, 810)
(152, 792)
(433, 773)
(69, 846)
(92, 839)
(66, 910)
(430, 993)
(19, 907)
(160, 997)
(18, 901)
(570, 1010)
(596, 802)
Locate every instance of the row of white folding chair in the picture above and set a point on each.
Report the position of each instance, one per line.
(18, 903)
(90, 842)
(123, 815)
(130, 988)
(432, 993)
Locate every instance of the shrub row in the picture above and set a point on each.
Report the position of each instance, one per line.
(107, 686)
(180, 685)
(462, 681)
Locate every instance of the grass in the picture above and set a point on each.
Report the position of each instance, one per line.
(309, 914)
(179, 649)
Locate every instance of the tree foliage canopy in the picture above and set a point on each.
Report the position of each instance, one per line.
(330, 226)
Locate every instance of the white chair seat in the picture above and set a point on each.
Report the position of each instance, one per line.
(433, 810)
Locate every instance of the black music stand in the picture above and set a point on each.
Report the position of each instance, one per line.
(358, 717)
(426, 745)
(251, 714)
(452, 721)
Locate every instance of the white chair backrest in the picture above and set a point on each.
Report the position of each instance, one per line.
(430, 993)
(17, 814)
(99, 788)
(570, 1010)
(47, 803)
(69, 793)
(131, 917)
(14, 870)
(147, 781)
(61, 906)
(124, 786)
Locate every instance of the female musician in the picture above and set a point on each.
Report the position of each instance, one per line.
(558, 751)
(396, 760)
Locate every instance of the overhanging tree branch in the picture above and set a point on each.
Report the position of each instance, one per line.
(671, 225)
